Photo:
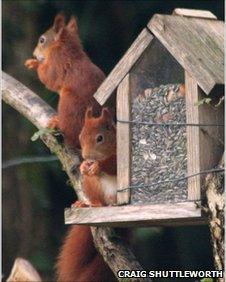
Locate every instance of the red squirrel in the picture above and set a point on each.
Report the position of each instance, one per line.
(64, 67)
(99, 168)
(79, 260)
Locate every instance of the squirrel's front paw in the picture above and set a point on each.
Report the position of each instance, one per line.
(90, 168)
(84, 167)
(31, 64)
(94, 168)
(53, 122)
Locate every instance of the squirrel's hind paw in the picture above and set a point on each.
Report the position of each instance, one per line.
(80, 204)
(54, 122)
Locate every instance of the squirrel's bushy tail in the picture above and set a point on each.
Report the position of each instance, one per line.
(79, 260)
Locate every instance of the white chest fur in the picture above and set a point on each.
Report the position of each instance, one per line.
(109, 187)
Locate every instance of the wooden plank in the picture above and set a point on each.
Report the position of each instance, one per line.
(196, 45)
(123, 141)
(193, 152)
(136, 215)
(123, 66)
(194, 13)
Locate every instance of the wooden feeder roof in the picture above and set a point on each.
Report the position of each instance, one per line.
(194, 38)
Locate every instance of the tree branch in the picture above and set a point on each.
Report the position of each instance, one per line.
(38, 112)
(28, 160)
(214, 187)
(31, 106)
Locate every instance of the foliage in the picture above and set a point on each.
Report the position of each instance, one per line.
(207, 280)
(38, 134)
(209, 101)
(203, 101)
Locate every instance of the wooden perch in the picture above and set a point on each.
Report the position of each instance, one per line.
(31, 106)
(166, 214)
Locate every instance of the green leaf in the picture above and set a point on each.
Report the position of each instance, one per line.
(207, 280)
(208, 100)
(199, 103)
(202, 101)
(41, 132)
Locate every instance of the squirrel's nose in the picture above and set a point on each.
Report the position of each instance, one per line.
(34, 53)
(38, 56)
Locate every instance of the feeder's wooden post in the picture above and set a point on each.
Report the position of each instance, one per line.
(123, 141)
(193, 152)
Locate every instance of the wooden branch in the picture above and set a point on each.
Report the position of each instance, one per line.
(38, 112)
(125, 259)
(214, 184)
(23, 271)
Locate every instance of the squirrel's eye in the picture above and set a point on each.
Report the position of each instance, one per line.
(100, 138)
(42, 39)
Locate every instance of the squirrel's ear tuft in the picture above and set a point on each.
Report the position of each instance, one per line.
(106, 115)
(59, 22)
(89, 113)
(72, 25)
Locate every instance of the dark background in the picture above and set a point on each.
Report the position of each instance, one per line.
(35, 195)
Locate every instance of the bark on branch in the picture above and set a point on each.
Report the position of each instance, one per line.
(214, 187)
(31, 106)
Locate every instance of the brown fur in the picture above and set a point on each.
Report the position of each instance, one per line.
(99, 158)
(66, 69)
(79, 260)
(93, 127)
